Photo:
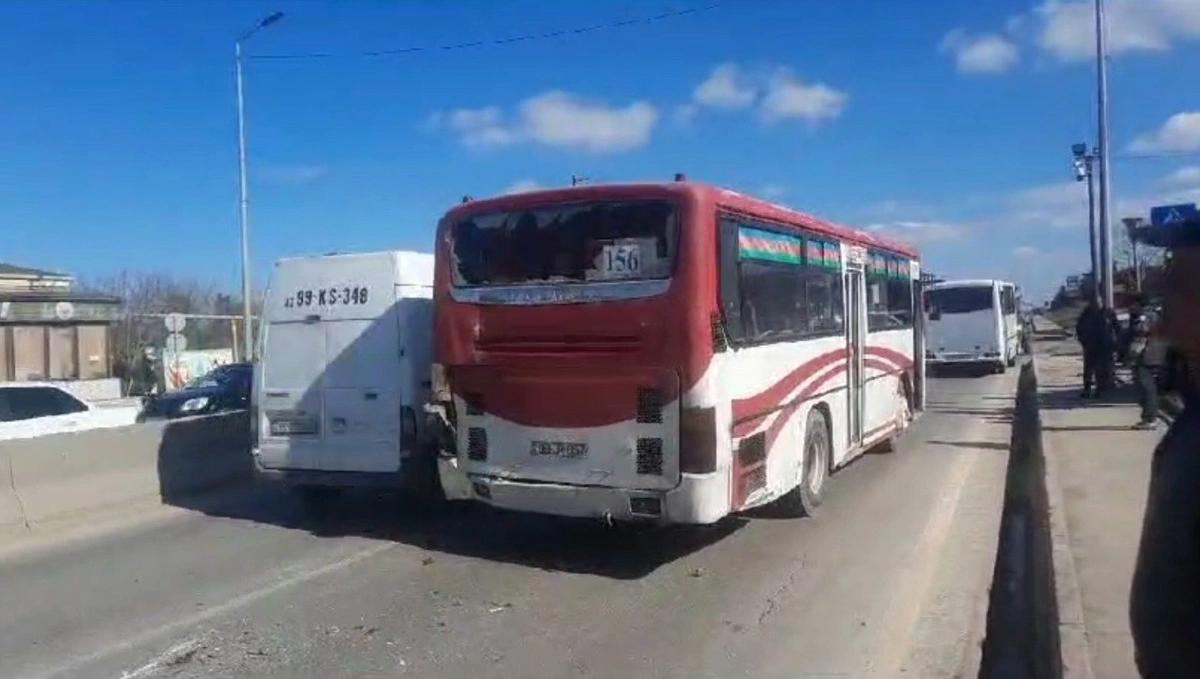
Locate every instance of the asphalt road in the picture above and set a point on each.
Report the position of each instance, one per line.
(891, 576)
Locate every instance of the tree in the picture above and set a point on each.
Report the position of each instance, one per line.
(1151, 260)
(147, 296)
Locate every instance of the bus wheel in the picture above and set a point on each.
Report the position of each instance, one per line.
(804, 499)
(902, 418)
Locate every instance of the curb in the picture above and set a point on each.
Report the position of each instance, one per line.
(1074, 654)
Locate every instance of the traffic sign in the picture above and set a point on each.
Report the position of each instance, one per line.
(1173, 214)
(176, 343)
(175, 322)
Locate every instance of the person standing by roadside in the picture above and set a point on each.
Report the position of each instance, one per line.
(1164, 605)
(1143, 371)
(1092, 331)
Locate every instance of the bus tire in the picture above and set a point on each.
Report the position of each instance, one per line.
(903, 416)
(806, 497)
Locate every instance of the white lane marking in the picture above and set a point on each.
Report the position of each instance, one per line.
(287, 577)
(904, 610)
(170, 656)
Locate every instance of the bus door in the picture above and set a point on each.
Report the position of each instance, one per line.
(856, 344)
(919, 312)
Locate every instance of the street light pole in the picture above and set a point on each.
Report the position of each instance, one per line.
(1084, 166)
(244, 209)
(243, 192)
(1102, 151)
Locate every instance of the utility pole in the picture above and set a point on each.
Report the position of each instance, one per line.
(1102, 151)
(1107, 367)
(243, 193)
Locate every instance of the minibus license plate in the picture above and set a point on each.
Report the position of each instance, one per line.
(292, 428)
(558, 449)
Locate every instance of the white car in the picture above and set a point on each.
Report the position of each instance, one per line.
(30, 409)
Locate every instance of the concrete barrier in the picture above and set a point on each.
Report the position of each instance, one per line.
(1022, 631)
(82, 475)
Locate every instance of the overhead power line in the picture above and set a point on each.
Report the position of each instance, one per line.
(1163, 155)
(495, 42)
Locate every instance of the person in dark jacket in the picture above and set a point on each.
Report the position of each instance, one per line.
(1094, 335)
(1164, 608)
(1138, 338)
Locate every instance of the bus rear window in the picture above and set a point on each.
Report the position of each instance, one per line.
(576, 243)
(958, 300)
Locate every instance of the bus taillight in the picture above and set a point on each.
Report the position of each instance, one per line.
(697, 440)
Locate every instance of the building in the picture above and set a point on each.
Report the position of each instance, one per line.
(50, 332)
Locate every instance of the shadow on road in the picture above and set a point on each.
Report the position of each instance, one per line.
(622, 551)
(959, 372)
(994, 415)
(1068, 398)
(981, 445)
(1105, 427)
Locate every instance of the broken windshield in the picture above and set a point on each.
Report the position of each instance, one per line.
(602, 241)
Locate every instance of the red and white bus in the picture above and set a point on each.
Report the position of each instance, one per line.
(671, 352)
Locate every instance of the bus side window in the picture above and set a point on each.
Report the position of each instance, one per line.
(728, 275)
(877, 309)
(900, 301)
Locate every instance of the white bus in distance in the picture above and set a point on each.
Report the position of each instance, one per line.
(972, 323)
(345, 353)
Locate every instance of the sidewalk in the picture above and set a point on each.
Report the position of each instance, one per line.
(1097, 473)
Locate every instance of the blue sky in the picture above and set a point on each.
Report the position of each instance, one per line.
(947, 122)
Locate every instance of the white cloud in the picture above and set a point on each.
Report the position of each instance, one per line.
(292, 174)
(775, 91)
(1185, 176)
(1180, 133)
(686, 113)
(789, 98)
(1025, 252)
(989, 53)
(1067, 27)
(522, 186)
(773, 191)
(920, 231)
(726, 87)
(1061, 205)
(557, 119)
(1065, 30)
(895, 209)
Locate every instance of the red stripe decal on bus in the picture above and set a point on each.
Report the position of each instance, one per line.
(786, 414)
(754, 407)
(778, 392)
(746, 427)
(888, 354)
(882, 366)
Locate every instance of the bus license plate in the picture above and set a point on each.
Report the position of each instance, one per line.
(558, 449)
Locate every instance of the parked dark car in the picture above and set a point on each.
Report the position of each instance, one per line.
(223, 388)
